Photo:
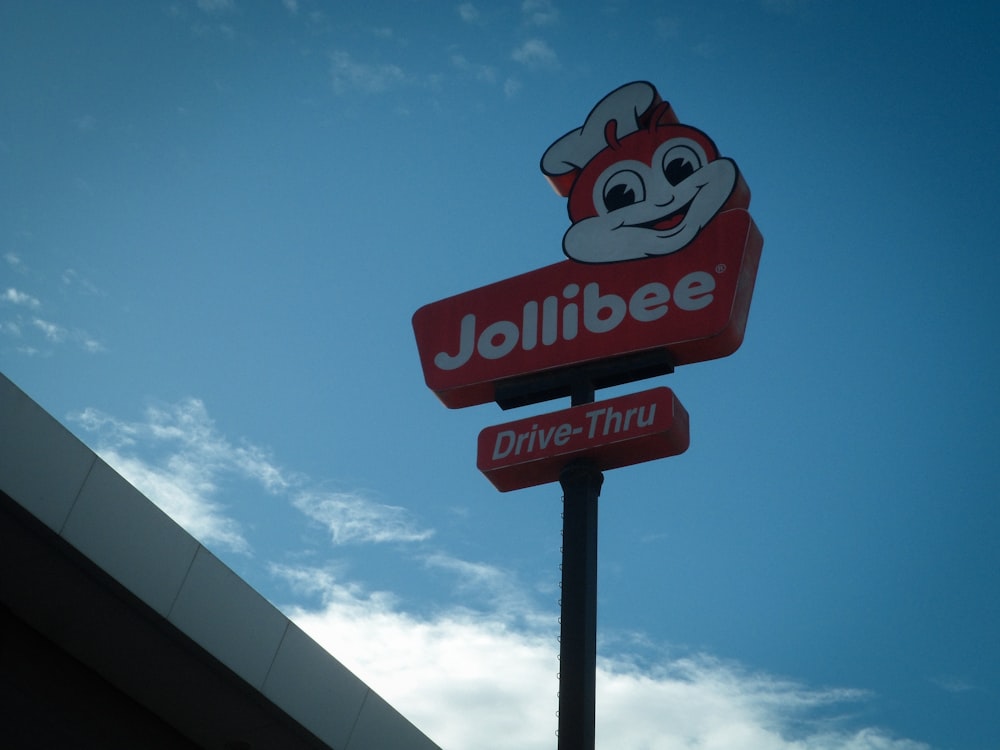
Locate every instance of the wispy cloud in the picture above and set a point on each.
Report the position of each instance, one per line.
(348, 74)
(177, 457)
(53, 332)
(193, 461)
(495, 589)
(468, 12)
(539, 12)
(71, 278)
(15, 297)
(472, 679)
(57, 334)
(953, 684)
(478, 71)
(354, 518)
(48, 333)
(481, 672)
(182, 491)
(91, 346)
(535, 53)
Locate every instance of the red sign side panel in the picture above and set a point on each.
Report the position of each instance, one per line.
(694, 302)
(613, 433)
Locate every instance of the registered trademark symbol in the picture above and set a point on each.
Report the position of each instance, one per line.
(721, 268)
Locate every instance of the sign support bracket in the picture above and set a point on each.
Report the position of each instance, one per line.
(580, 380)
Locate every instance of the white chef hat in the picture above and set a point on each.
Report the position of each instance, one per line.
(629, 106)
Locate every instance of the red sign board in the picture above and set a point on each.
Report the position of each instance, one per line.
(663, 258)
(612, 433)
(692, 303)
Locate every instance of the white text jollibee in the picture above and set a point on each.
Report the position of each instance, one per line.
(545, 324)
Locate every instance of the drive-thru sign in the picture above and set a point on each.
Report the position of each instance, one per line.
(661, 259)
(616, 432)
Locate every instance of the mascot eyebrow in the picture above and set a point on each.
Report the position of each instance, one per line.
(611, 135)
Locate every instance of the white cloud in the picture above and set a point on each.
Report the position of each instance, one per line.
(497, 589)
(510, 87)
(468, 12)
(472, 679)
(539, 12)
(193, 462)
(19, 298)
(53, 332)
(71, 278)
(952, 684)
(57, 334)
(86, 122)
(351, 517)
(346, 74)
(91, 346)
(465, 680)
(481, 72)
(181, 491)
(209, 453)
(535, 53)
(481, 674)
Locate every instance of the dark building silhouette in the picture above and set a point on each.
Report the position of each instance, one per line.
(119, 630)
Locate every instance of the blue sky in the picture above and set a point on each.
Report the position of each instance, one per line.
(218, 217)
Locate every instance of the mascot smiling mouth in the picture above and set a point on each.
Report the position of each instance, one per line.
(668, 222)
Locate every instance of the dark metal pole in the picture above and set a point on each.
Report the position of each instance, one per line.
(581, 484)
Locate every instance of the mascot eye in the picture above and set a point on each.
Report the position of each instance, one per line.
(623, 189)
(679, 163)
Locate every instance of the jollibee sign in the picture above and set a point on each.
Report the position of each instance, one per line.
(661, 258)
(661, 253)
